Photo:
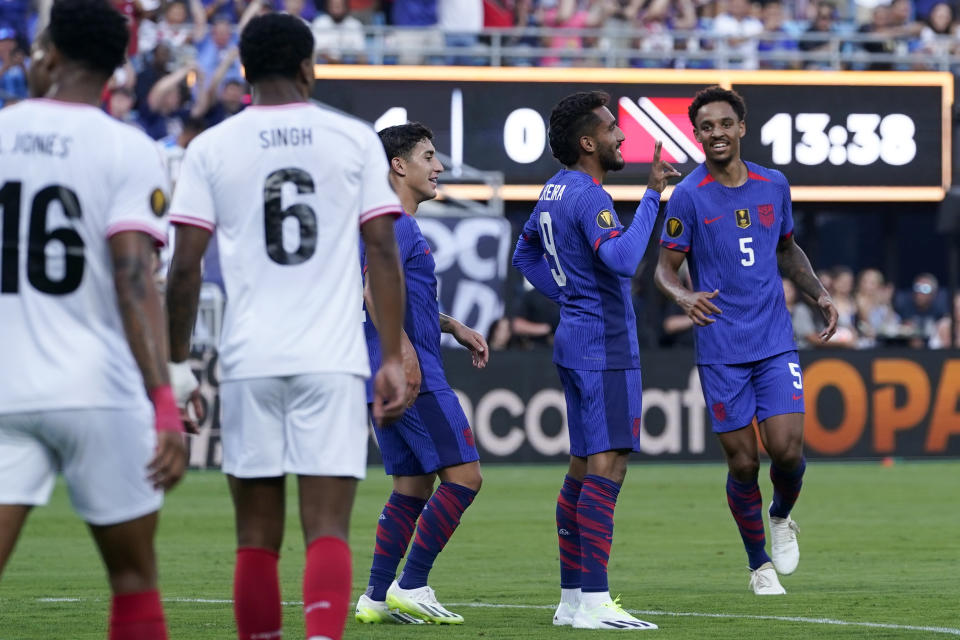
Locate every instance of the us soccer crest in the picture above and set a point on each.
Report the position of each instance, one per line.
(674, 227)
(605, 219)
(743, 218)
(765, 211)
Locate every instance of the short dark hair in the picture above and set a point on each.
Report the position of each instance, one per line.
(717, 94)
(571, 118)
(90, 32)
(398, 141)
(274, 45)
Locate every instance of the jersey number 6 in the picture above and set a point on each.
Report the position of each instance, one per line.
(274, 216)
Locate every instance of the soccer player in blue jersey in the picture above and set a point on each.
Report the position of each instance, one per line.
(732, 221)
(575, 251)
(433, 437)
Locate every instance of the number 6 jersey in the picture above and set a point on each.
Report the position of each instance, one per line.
(70, 177)
(598, 327)
(730, 236)
(286, 188)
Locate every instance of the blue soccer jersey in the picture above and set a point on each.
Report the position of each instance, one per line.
(421, 321)
(598, 327)
(730, 235)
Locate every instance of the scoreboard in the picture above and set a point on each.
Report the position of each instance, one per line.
(837, 136)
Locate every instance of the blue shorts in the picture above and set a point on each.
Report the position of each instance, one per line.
(603, 409)
(735, 393)
(432, 434)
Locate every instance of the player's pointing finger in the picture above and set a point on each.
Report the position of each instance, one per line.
(656, 152)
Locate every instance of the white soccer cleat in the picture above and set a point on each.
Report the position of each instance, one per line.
(563, 617)
(764, 581)
(608, 615)
(420, 603)
(784, 550)
(375, 612)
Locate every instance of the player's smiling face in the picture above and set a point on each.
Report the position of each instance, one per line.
(423, 170)
(608, 137)
(719, 130)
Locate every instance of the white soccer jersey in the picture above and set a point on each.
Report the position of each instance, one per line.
(70, 177)
(286, 188)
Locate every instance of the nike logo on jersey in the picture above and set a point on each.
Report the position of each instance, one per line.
(796, 397)
(711, 220)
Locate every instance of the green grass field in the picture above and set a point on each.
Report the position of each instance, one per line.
(880, 558)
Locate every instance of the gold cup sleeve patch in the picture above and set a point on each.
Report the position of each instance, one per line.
(158, 202)
(605, 219)
(674, 227)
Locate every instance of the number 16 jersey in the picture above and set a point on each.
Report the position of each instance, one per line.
(286, 188)
(598, 327)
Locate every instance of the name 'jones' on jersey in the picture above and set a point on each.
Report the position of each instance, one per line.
(598, 327)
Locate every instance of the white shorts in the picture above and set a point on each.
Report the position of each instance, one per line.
(311, 425)
(103, 454)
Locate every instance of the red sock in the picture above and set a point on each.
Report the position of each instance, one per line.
(137, 616)
(256, 594)
(326, 588)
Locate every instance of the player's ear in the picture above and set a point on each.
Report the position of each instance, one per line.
(306, 74)
(588, 144)
(397, 166)
(743, 128)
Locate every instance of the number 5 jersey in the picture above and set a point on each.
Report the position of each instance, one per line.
(730, 236)
(286, 188)
(70, 177)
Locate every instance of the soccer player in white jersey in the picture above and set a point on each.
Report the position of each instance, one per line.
(286, 186)
(83, 341)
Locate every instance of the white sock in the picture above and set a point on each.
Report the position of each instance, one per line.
(590, 600)
(570, 596)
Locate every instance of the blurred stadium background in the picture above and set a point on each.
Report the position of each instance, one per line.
(853, 100)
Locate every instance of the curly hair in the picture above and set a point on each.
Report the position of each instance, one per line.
(571, 118)
(717, 94)
(399, 141)
(89, 32)
(274, 45)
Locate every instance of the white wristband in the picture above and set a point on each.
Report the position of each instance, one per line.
(182, 380)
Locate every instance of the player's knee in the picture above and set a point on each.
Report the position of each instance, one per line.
(133, 580)
(744, 468)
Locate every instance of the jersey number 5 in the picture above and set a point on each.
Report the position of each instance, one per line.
(747, 251)
(274, 215)
(71, 274)
(546, 233)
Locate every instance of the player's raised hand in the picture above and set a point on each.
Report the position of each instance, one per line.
(698, 307)
(411, 369)
(660, 171)
(830, 315)
(389, 391)
(473, 341)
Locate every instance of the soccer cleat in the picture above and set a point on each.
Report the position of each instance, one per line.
(420, 603)
(608, 615)
(563, 617)
(784, 550)
(764, 581)
(374, 612)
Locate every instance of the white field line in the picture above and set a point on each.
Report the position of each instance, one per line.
(678, 614)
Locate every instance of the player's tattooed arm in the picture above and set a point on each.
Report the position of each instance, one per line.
(472, 340)
(795, 265)
(696, 304)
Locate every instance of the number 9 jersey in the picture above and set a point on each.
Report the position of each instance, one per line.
(70, 177)
(287, 188)
(730, 236)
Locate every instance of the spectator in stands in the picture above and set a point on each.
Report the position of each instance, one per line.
(942, 338)
(823, 24)
(937, 38)
(736, 30)
(890, 33)
(656, 22)
(229, 10)
(536, 320)
(166, 102)
(568, 14)
(922, 308)
(524, 15)
(774, 24)
(132, 10)
(14, 16)
(13, 74)
(842, 293)
(338, 36)
(461, 22)
(174, 29)
(876, 319)
(120, 101)
(499, 336)
(214, 47)
(805, 329)
(305, 9)
(420, 18)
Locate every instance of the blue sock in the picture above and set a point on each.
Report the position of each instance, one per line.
(568, 533)
(598, 499)
(745, 505)
(786, 488)
(394, 530)
(437, 523)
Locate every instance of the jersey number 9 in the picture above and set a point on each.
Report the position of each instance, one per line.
(546, 233)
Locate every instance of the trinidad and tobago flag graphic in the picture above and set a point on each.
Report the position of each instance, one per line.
(650, 119)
